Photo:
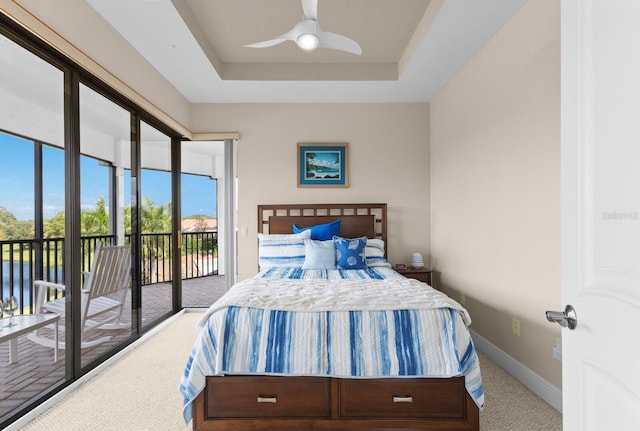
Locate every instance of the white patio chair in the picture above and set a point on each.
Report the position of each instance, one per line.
(103, 295)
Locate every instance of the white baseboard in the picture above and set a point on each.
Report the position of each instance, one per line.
(538, 385)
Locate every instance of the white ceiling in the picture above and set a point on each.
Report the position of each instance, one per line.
(411, 48)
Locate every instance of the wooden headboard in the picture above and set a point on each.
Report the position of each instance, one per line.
(368, 220)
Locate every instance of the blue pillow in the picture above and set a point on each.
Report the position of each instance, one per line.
(350, 252)
(321, 232)
(319, 254)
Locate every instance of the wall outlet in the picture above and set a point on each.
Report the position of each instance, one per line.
(515, 326)
(463, 298)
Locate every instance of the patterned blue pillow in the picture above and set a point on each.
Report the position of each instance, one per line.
(321, 232)
(350, 252)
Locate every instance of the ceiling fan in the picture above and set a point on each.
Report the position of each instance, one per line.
(308, 35)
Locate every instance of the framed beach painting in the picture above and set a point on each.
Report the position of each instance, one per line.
(323, 164)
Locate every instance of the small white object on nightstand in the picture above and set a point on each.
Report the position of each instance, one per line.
(416, 261)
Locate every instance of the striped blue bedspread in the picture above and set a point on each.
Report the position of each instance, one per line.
(328, 274)
(374, 324)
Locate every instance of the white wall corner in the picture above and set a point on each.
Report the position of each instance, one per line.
(538, 385)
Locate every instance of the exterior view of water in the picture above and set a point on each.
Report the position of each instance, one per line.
(21, 286)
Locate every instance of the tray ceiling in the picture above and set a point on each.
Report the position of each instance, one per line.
(410, 48)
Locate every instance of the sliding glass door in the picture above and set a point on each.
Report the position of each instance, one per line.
(32, 217)
(203, 245)
(156, 225)
(105, 207)
(82, 166)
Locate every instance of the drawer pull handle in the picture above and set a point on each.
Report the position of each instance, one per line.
(407, 399)
(267, 399)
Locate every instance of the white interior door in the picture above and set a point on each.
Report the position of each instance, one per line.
(601, 213)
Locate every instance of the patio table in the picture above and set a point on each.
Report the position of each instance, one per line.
(24, 324)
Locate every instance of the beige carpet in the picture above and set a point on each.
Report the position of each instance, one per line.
(510, 406)
(140, 392)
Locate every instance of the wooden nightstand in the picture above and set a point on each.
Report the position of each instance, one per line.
(422, 274)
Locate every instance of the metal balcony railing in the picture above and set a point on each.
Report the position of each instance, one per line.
(24, 261)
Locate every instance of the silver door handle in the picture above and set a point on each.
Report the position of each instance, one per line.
(567, 318)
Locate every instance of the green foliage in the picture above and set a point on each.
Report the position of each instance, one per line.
(54, 227)
(11, 228)
(155, 218)
(203, 245)
(127, 219)
(96, 221)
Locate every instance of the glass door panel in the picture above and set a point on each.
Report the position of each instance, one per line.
(105, 146)
(203, 279)
(53, 228)
(155, 224)
(31, 120)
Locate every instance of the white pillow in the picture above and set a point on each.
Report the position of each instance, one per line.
(319, 254)
(281, 250)
(374, 253)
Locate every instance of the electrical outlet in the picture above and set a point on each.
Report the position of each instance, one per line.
(462, 298)
(515, 326)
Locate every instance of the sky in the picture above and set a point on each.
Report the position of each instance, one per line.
(17, 177)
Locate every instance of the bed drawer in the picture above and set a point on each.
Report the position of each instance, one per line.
(267, 397)
(402, 398)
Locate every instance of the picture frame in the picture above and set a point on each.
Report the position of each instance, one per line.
(323, 164)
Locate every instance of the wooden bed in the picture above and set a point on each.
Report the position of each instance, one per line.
(327, 403)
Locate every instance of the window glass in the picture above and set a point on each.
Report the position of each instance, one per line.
(203, 280)
(31, 145)
(105, 147)
(155, 224)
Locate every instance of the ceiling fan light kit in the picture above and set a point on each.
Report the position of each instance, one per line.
(308, 41)
(308, 35)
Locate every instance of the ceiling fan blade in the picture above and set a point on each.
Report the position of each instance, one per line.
(266, 43)
(275, 41)
(310, 9)
(339, 42)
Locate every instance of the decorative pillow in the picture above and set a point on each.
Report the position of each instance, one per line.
(321, 232)
(319, 254)
(374, 253)
(281, 250)
(350, 252)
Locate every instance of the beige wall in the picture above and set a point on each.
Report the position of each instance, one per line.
(388, 162)
(495, 186)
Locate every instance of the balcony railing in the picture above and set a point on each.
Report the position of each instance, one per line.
(199, 256)
(24, 261)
